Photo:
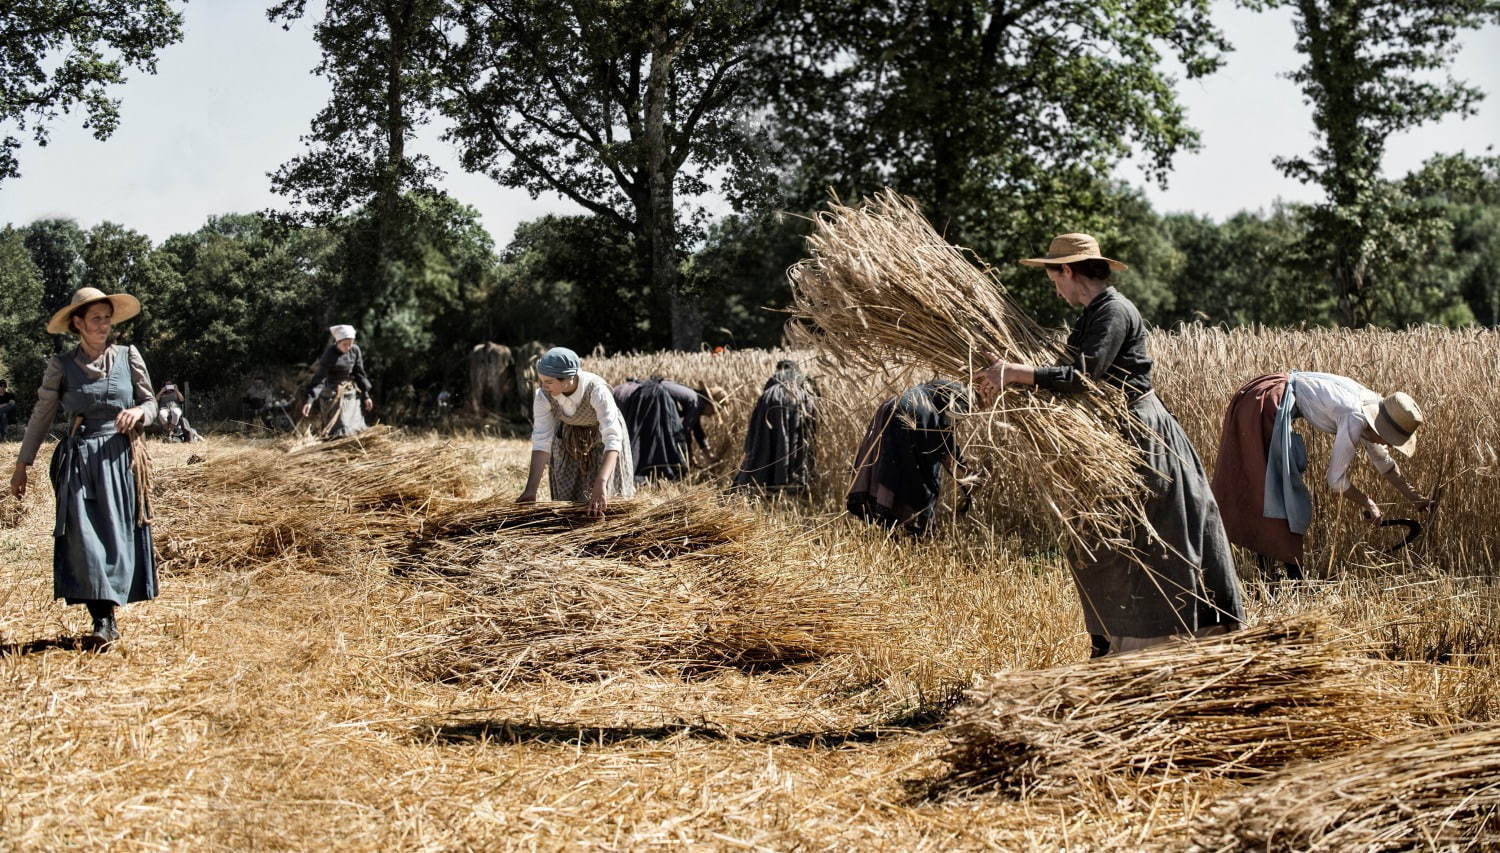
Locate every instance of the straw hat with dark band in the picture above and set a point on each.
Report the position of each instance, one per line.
(1069, 248)
(126, 306)
(1395, 419)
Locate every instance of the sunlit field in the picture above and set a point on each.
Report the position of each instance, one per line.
(368, 646)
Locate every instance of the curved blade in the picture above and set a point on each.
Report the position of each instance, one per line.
(1413, 530)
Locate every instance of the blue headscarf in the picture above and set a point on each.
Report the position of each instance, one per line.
(559, 363)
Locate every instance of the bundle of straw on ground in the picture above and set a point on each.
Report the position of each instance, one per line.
(329, 507)
(693, 523)
(1232, 706)
(882, 287)
(1434, 790)
(515, 620)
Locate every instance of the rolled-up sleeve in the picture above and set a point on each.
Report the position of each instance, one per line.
(543, 425)
(140, 381)
(1379, 456)
(611, 422)
(48, 398)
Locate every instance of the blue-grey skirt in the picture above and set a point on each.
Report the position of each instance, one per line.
(99, 553)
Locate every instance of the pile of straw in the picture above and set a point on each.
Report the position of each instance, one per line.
(882, 288)
(587, 619)
(326, 507)
(1239, 705)
(693, 523)
(1428, 791)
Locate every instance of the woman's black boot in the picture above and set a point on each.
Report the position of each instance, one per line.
(104, 632)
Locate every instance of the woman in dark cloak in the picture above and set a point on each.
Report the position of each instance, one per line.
(1187, 585)
(101, 547)
(909, 443)
(778, 440)
(339, 387)
(665, 422)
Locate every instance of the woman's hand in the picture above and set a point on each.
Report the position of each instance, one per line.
(18, 481)
(1371, 512)
(369, 404)
(526, 498)
(127, 419)
(306, 409)
(598, 501)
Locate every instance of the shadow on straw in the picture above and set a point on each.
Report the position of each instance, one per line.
(572, 734)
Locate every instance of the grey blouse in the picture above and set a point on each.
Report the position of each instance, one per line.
(47, 396)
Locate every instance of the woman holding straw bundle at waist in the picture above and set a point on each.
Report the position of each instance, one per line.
(1180, 578)
(101, 555)
(339, 386)
(578, 434)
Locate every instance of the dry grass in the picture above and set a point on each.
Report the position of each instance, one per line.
(286, 691)
(1432, 790)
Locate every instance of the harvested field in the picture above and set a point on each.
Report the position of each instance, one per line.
(371, 647)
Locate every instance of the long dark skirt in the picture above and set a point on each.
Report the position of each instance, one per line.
(1189, 583)
(657, 438)
(778, 451)
(99, 553)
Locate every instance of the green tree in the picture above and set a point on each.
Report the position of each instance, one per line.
(23, 339)
(56, 247)
(379, 58)
(1369, 73)
(628, 108)
(1006, 120)
(117, 259)
(56, 55)
(743, 264)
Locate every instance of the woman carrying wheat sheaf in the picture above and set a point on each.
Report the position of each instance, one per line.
(1180, 578)
(101, 546)
(578, 435)
(340, 390)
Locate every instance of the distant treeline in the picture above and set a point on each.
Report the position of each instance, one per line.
(249, 292)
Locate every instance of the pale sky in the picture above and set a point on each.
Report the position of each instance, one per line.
(229, 102)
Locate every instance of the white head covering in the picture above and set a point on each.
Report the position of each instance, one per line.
(341, 332)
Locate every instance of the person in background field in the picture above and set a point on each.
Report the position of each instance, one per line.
(665, 423)
(1181, 580)
(7, 408)
(169, 402)
(778, 439)
(908, 444)
(101, 547)
(1258, 475)
(339, 386)
(578, 435)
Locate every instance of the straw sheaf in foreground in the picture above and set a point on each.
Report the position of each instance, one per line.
(1431, 790)
(882, 287)
(1232, 706)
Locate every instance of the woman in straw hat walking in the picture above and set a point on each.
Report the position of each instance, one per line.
(1258, 476)
(101, 555)
(339, 387)
(1180, 578)
(578, 429)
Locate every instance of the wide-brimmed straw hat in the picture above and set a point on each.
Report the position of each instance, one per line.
(1069, 248)
(1396, 418)
(126, 306)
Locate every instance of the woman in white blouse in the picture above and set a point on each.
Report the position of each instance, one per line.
(1258, 474)
(578, 429)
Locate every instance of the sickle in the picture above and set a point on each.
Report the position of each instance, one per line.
(1413, 530)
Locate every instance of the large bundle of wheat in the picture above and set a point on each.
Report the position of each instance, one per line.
(1236, 705)
(882, 288)
(1433, 790)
